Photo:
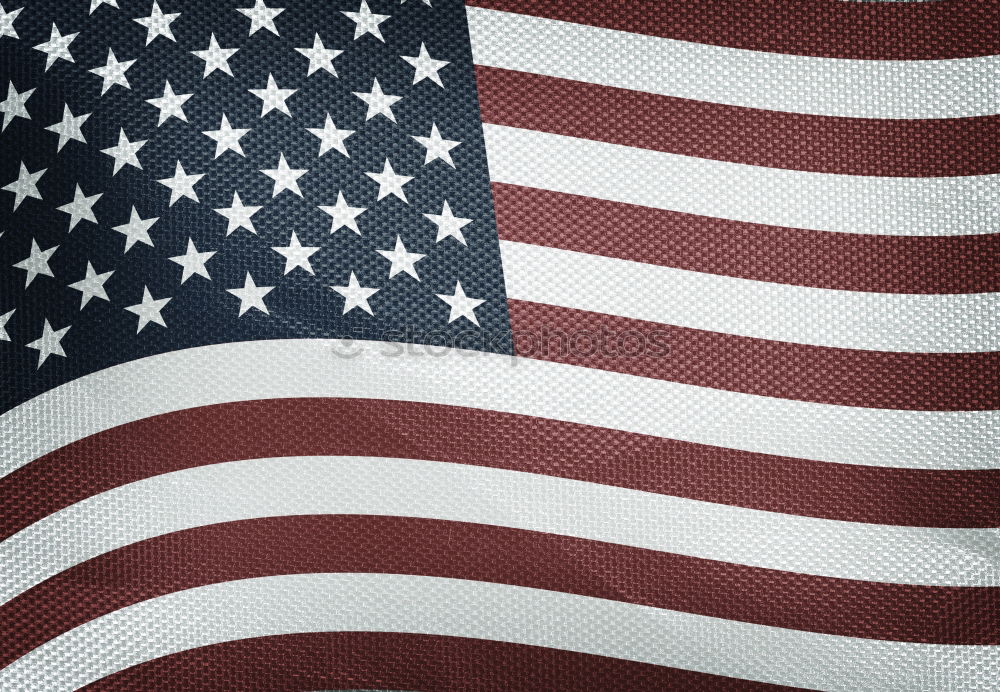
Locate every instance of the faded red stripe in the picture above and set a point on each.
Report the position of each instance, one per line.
(390, 661)
(844, 261)
(364, 427)
(825, 144)
(825, 28)
(840, 376)
(458, 550)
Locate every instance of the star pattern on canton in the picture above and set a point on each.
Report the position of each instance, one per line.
(148, 310)
(14, 105)
(355, 295)
(26, 185)
(181, 184)
(37, 262)
(379, 103)
(216, 57)
(158, 24)
(437, 147)
(320, 57)
(69, 127)
(113, 72)
(296, 255)
(261, 17)
(94, 4)
(285, 177)
(124, 153)
(273, 97)
(461, 305)
(330, 137)
(425, 67)
(227, 138)
(170, 104)
(239, 215)
(251, 296)
(57, 47)
(390, 182)
(7, 22)
(366, 22)
(81, 208)
(448, 225)
(49, 343)
(4, 319)
(136, 230)
(92, 285)
(193, 262)
(344, 215)
(401, 260)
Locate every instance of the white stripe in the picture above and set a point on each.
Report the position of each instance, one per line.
(798, 199)
(779, 312)
(956, 88)
(260, 488)
(317, 368)
(291, 604)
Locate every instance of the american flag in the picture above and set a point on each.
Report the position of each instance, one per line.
(523, 345)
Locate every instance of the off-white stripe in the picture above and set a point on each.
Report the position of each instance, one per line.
(302, 603)
(259, 488)
(956, 88)
(780, 312)
(797, 199)
(317, 368)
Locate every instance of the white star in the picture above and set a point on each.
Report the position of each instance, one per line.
(216, 57)
(448, 224)
(4, 319)
(193, 262)
(296, 255)
(48, 344)
(402, 261)
(169, 104)
(251, 295)
(181, 184)
(69, 127)
(125, 152)
(92, 285)
(426, 2)
(273, 98)
(437, 147)
(94, 4)
(261, 16)
(320, 57)
(389, 182)
(36, 263)
(148, 310)
(13, 106)
(136, 230)
(113, 72)
(461, 305)
(81, 208)
(226, 138)
(26, 185)
(378, 102)
(239, 215)
(285, 178)
(366, 22)
(330, 137)
(7, 22)
(344, 215)
(56, 47)
(158, 24)
(425, 67)
(355, 295)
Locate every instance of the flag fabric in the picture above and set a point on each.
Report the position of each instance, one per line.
(522, 345)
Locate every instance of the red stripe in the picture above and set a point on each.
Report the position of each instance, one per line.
(427, 547)
(840, 376)
(844, 261)
(850, 146)
(305, 427)
(389, 661)
(826, 28)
